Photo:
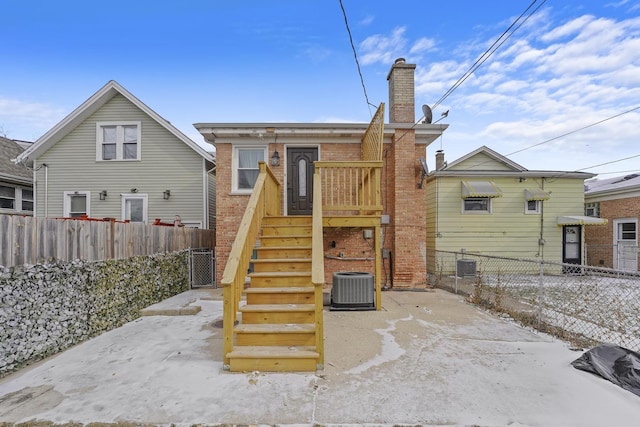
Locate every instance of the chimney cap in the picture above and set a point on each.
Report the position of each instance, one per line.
(400, 61)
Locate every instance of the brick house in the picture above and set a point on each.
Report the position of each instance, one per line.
(618, 200)
(291, 150)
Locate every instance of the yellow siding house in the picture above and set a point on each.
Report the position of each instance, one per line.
(486, 204)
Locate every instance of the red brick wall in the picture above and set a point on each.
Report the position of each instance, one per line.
(409, 214)
(599, 238)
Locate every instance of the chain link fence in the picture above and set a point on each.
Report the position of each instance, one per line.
(581, 304)
(202, 268)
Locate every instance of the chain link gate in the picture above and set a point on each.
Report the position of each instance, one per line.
(202, 268)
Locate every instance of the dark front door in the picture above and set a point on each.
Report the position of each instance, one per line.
(300, 179)
(571, 246)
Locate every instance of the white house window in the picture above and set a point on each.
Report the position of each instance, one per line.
(7, 197)
(134, 207)
(532, 207)
(245, 170)
(76, 204)
(118, 141)
(476, 205)
(592, 209)
(27, 200)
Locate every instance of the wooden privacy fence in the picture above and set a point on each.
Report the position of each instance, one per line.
(30, 240)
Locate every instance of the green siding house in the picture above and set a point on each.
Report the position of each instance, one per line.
(486, 204)
(114, 157)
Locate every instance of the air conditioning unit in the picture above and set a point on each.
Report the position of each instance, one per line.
(466, 268)
(353, 291)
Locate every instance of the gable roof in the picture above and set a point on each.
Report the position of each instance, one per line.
(619, 184)
(90, 106)
(9, 171)
(484, 162)
(494, 157)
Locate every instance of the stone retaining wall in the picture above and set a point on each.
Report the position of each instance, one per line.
(47, 308)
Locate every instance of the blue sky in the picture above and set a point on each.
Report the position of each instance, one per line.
(570, 65)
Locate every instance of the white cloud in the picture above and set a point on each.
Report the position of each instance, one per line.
(544, 82)
(422, 45)
(27, 120)
(383, 48)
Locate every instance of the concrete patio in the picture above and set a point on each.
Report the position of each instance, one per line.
(426, 358)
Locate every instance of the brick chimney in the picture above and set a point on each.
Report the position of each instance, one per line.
(439, 159)
(401, 92)
(407, 203)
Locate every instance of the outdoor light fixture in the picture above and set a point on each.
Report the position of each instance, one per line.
(166, 194)
(103, 194)
(275, 158)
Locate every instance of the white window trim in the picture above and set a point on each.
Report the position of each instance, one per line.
(67, 202)
(119, 141)
(234, 167)
(192, 224)
(145, 205)
(487, 212)
(18, 199)
(527, 211)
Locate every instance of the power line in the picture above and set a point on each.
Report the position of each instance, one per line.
(355, 55)
(490, 51)
(608, 163)
(573, 131)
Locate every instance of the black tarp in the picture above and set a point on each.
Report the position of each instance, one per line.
(619, 365)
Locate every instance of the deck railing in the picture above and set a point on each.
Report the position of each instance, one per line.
(374, 136)
(264, 201)
(350, 187)
(317, 263)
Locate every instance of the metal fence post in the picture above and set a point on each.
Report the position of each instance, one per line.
(540, 295)
(455, 260)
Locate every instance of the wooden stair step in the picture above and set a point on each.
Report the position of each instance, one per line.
(265, 308)
(274, 350)
(286, 230)
(280, 295)
(302, 240)
(268, 334)
(276, 328)
(282, 290)
(287, 220)
(282, 264)
(272, 279)
(283, 252)
(278, 313)
(273, 359)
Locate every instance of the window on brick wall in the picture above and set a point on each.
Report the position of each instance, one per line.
(592, 209)
(245, 167)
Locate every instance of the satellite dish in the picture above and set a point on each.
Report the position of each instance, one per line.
(425, 168)
(425, 171)
(428, 115)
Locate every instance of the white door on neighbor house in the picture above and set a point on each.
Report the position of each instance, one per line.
(625, 241)
(134, 207)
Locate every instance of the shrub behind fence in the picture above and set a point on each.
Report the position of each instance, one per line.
(585, 305)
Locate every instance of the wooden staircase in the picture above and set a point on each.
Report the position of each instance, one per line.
(279, 327)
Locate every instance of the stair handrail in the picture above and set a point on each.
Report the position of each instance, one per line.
(264, 200)
(317, 264)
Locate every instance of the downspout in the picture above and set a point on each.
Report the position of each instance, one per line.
(541, 240)
(206, 195)
(46, 190)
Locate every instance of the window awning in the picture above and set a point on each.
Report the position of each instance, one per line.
(536, 194)
(580, 220)
(480, 189)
